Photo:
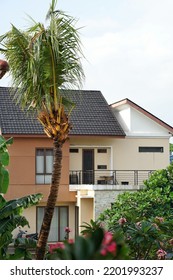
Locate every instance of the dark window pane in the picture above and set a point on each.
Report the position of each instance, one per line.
(102, 151)
(74, 150)
(49, 152)
(101, 166)
(151, 149)
(40, 152)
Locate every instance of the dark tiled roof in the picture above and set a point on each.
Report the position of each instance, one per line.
(91, 116)
(13, 120)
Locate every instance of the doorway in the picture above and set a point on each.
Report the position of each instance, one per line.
(88, 166)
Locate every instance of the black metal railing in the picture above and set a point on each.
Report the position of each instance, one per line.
(109, 177)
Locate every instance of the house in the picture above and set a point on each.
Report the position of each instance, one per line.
(110, 149)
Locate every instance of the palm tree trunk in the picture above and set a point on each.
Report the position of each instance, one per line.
(51, 202)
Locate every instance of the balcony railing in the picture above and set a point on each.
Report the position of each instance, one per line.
(109, 177)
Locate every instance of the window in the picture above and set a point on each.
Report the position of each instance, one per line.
(74, 150)
(102, 151)
(59, 222)
(44, 163)
(151, 149)
(101, 166)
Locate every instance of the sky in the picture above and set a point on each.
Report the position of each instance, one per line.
(127, 44)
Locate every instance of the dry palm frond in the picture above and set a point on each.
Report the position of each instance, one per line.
(56, 125)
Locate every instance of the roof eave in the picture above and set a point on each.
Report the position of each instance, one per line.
(145, 112)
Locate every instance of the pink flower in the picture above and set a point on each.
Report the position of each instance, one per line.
(54, 246)
(103, 251)
(112, 247)
(161, 254)
(108, 244)
(122, 221)
(67, 229)
(108, 237)
(70, 241)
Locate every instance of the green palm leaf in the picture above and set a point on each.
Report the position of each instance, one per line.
(44, 60)
(17, 205)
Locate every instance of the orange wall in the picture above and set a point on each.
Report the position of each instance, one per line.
(22, 169)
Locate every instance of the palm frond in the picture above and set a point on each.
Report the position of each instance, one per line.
(44, 60)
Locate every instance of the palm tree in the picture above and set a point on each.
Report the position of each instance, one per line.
(43, 61)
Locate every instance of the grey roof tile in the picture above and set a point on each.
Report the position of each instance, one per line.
(91, 116)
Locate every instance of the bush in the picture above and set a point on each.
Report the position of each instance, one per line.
(145, 217)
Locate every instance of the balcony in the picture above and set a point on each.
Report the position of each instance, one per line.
(109, 177)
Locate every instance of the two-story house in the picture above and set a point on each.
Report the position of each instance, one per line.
(110, 149)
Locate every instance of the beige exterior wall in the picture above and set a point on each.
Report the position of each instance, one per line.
(86, 209)
(127, 156)
(99, 158)
(123, 153)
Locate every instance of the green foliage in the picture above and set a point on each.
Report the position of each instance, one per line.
(140, 205)
(23, 248)
(171, 147)
(90, 227)
(4, 161)
(155, 199)
(136, 214)
(10, 219)
(147, 237)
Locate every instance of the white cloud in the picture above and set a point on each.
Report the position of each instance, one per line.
(135, 59)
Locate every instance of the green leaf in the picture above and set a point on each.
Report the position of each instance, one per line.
(14, 206)
(4, 158)
(83, 248)
(4, 180)
(26, 242)
(10, 223)
(19, 254)
(9, 141)
(97, 238)
(2, 201)
(4, 142)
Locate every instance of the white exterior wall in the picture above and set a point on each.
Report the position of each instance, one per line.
(137, 124)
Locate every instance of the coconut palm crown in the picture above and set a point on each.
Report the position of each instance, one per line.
(43, 61)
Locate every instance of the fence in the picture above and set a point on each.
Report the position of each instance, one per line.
(110, 177)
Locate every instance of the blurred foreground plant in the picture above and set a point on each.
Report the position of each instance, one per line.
(96, 244)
